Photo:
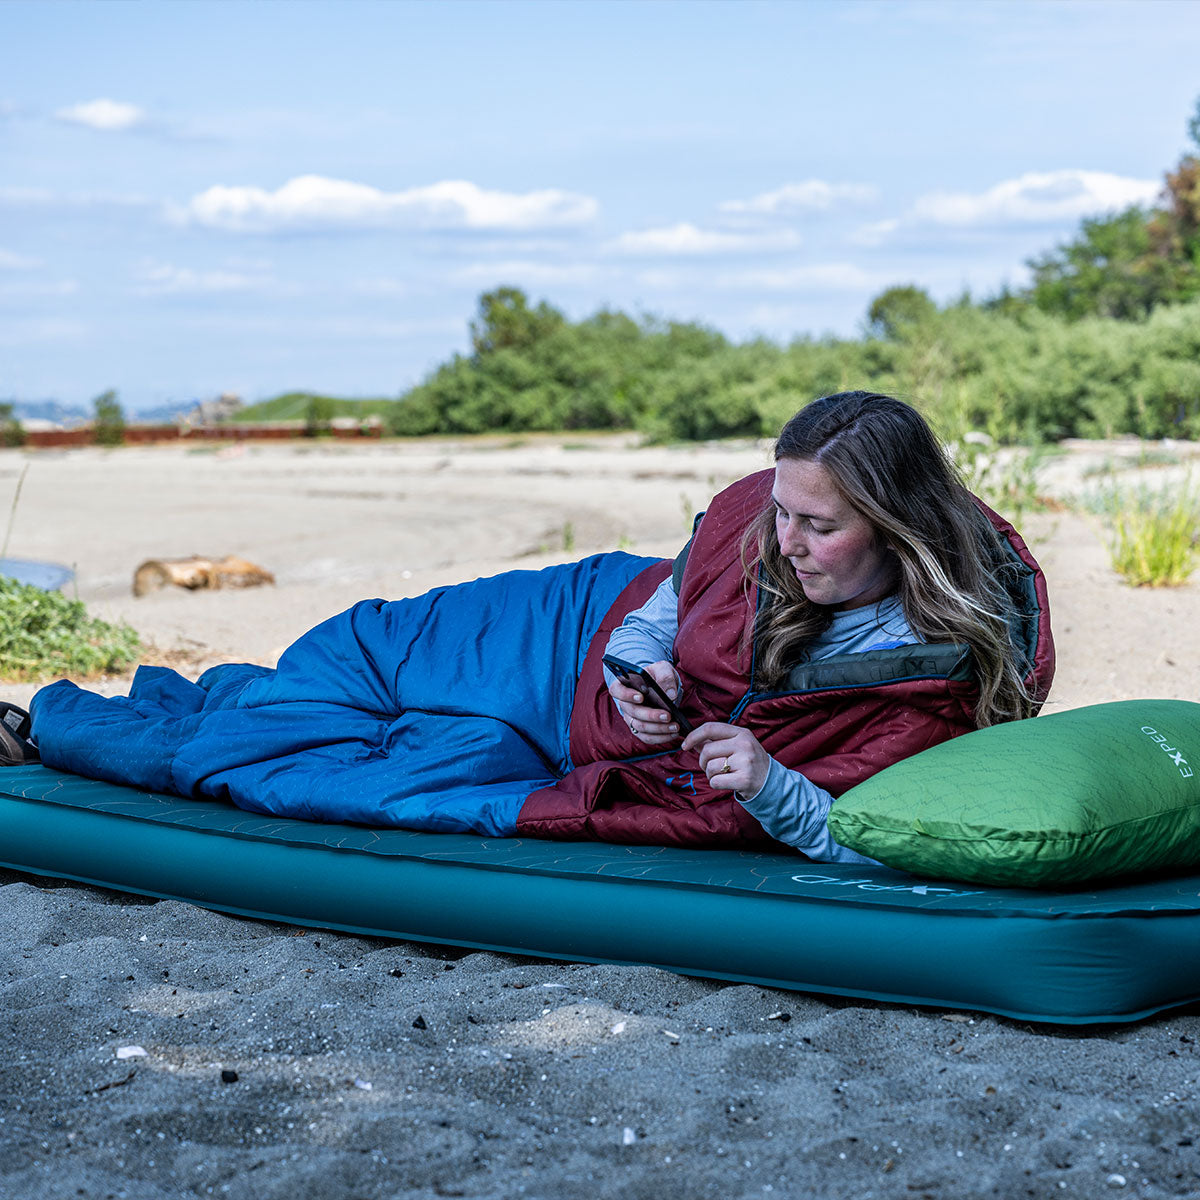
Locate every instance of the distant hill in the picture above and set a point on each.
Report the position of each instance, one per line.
(50, 410)
(75, 414)
(163, 414)
(296, 406)
(292, 406)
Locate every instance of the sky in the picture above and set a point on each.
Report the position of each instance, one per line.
(200, 197)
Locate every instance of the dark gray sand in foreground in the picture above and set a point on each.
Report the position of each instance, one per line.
(367, 1068)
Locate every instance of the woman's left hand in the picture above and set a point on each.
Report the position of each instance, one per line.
(730, 756)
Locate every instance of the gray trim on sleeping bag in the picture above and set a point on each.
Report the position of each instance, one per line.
(1019, 582)
(917, 661)
(681, 558)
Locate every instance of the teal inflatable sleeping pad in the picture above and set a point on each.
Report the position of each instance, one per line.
(1071, 956)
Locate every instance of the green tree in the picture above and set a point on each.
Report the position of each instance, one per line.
(1174, 229)
(318, 415)
(533, 369)
(506, 322)
(1108, 270)
(12, 433)
(109, 420)
(1130, 263)
(897, 311)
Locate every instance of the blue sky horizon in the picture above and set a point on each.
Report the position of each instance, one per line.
(202, 197)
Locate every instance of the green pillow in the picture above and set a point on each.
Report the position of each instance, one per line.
(1087, 794)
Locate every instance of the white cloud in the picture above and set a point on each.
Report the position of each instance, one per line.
(108, 116)
(540, 274)
(166, 279)
(313, 202)
(1037, 196)
(874, 234)
(34, 197)
(687, 239)
(812, 195)
(11, 261)
(817, 276)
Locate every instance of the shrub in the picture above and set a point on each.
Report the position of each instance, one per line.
(109, 419)
(44, 634)
(318, 415)
(1015, 373)
(12, 432)
(1155, 533)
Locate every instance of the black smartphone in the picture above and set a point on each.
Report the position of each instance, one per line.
(635, 677)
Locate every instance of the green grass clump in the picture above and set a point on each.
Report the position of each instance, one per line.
(1155, 533)
(44, 634)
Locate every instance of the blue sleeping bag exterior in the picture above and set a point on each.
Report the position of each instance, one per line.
(441, 713)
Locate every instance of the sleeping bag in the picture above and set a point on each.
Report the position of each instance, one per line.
(482, 707)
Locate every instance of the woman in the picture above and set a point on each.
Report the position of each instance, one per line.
(862, 622)
(869, 543)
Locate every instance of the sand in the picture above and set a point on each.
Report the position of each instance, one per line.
(153, 1049)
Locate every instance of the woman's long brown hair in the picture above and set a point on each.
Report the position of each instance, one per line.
(887, 464)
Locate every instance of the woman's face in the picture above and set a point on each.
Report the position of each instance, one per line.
(838, 559)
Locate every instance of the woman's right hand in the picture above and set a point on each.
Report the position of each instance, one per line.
(647, 723)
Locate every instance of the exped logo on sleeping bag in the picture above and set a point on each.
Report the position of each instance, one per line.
(1176, 755)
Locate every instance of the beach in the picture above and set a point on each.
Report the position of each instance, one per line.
(155, 1049)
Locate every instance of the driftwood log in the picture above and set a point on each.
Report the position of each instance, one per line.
(198, 572)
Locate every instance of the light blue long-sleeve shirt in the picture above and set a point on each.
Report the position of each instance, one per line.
(789, 806)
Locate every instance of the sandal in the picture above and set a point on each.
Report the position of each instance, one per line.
(15, 746)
